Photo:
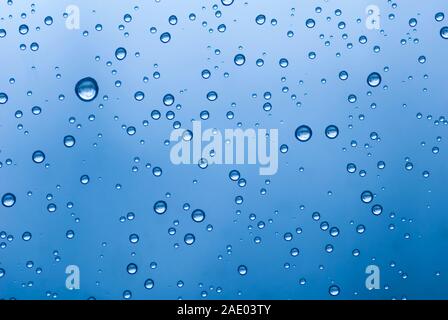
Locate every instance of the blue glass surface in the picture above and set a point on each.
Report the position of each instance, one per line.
(84, 167)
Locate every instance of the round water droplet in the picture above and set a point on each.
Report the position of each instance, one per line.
(139, 96)
(48, 21)
(334, 290)
(212, 96)
(239, 59)
(38, 156)
(8, 200)
(168, 100)
(343, 75)
(377, 209)
(87, 89)
(189, 239)
(332, 132)
(84, 179)
(187, 135)
(23, 29)
(69, 141)
(283, 62)
(234, 175)
(149, 284)
(3, 98)
(303, 133)
(26, 236)
(444, 32)
(310, 23)
(165, 37)
(120, 53)
(198, 215)
(160, 207)
(227, 2)
(260, 19)
(132, 268)
(242, 270)
(374, 79)
(366, 197)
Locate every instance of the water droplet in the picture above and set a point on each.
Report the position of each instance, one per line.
(26, 236)
(239, 59)
(439, 16)
(168, 100)
(212, 96)
(260, 19)
(242, 270)
(234, 175)
(48, 21)
(87, 89)
(23, 29)
(84, 179)
(132, 268)
(283, 62)
(165, 37)
(69, 141)
(310, 23)
(332, 132)
(120, 53)
(377, 209)
(149, 284)
(160, 207)
(131, 131)
(198, 215)
(343, 75)
(8, 200)
(366, 197)
(444, 32)
(3, 98)
(139, 96)
(172, 20)
(38, 156)
(374, 79)
(303, 133)
(133, 238)
(189, 239)
(227, 2)
(334, 290)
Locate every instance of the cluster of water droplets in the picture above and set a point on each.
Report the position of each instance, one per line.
(93, 92)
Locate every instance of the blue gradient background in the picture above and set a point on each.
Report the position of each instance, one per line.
(410, 268)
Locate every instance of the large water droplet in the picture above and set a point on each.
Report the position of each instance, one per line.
(227, 2)
(38, 156)
(242, 270)
(366, 197)
(69, 141)
(334, 290)
(132, 268)
(120, 53)
(198, 215)
(239, 59)
(149, 284)
(3, 98)
(87, 89)
(8, 200)
(374, 79)
(160, 207)
(303, 133)
(444, 32)
(260, 19)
